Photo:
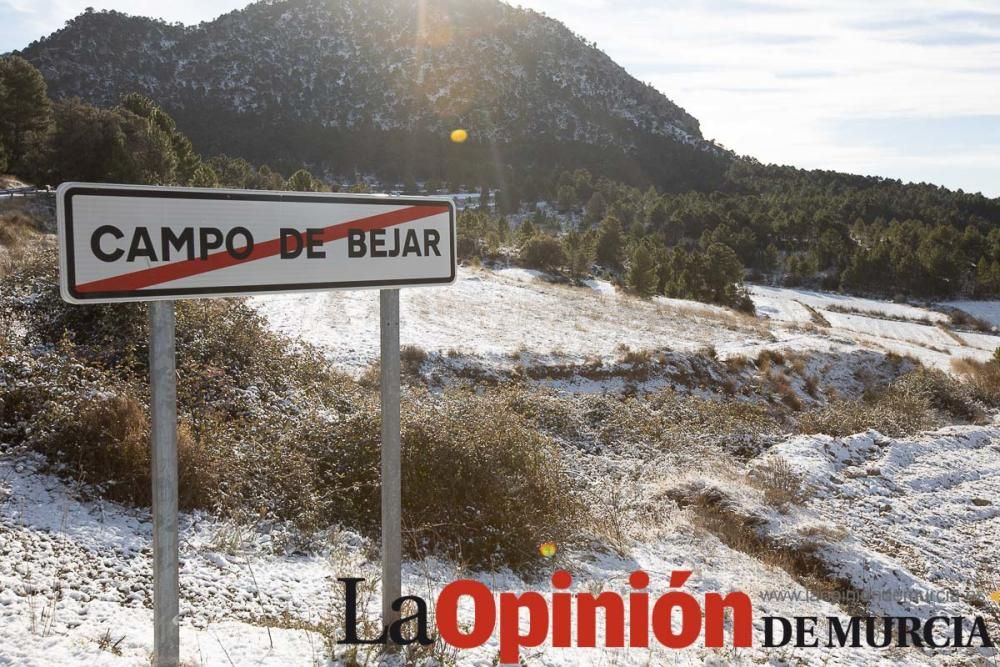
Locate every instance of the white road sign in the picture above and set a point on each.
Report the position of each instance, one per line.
(133, 243)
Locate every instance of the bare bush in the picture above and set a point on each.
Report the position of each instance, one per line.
(412, 357)
(483, 485)
(716, 512)
(781, 485)
(982, 378)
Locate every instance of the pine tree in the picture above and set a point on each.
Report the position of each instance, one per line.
(24, 106)
(723, 274)
(186, 160)
(609, 243)
(526, 232)
(770, 258)
(565, 198)
(542, 252)
(301, 181)
(579, 251)
(641, 275)
(111, 145)
(502, 229)
(204, 177)
(266, 179)
(596, 208)
(657, 214)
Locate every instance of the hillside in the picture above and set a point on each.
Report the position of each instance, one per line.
(351, 84)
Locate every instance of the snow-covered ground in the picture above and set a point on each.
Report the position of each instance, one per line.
(496, 314)
(984, 310)
(924, 510)
(919, 516)
(75, 575)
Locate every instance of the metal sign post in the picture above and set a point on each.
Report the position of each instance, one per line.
(391, 476)
(163, 442)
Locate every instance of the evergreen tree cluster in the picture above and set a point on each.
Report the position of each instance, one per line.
(133, 142)
(795, 227)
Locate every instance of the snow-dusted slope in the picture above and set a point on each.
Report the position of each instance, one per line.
(499, 313)
(496, 314)
(919, 515)
(75, 584)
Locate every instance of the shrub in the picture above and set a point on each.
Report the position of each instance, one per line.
(16, 229)
(941, 392)
(675, 422)
(480, 484)
(18, 237)
(916, 402)
(411, 358)
(782, 486)
(104, 441)
(630, 356)
(982, 378)
(767, 358)
(960, 318)
(269, 431)
(542, 252)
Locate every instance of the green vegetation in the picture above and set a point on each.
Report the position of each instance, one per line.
(24, 108)
(133, 142)
(780, 224)
(827, 229)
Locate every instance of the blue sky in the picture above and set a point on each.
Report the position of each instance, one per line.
(908, 89)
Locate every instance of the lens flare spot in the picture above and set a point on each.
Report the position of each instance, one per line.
(459, 136)
(547, 549)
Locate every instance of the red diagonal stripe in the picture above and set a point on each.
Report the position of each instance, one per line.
(156, 275)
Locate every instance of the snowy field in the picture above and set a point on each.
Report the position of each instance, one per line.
(496, 314)
(910, 515)
(918, 515)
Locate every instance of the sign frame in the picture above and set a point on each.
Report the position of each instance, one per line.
(67, 261)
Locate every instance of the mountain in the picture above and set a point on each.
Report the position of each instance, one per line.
(345, 85)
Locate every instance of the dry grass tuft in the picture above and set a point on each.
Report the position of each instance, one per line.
(715, 511)
(18, 236)
(812, 385)
(737, 363)
(768, 358)
(963, 320)
(411, 358)
(781, 485)
(634, 357)
(919, 400)
(982, 378)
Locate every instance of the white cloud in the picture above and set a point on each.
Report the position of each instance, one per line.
(776, 79)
